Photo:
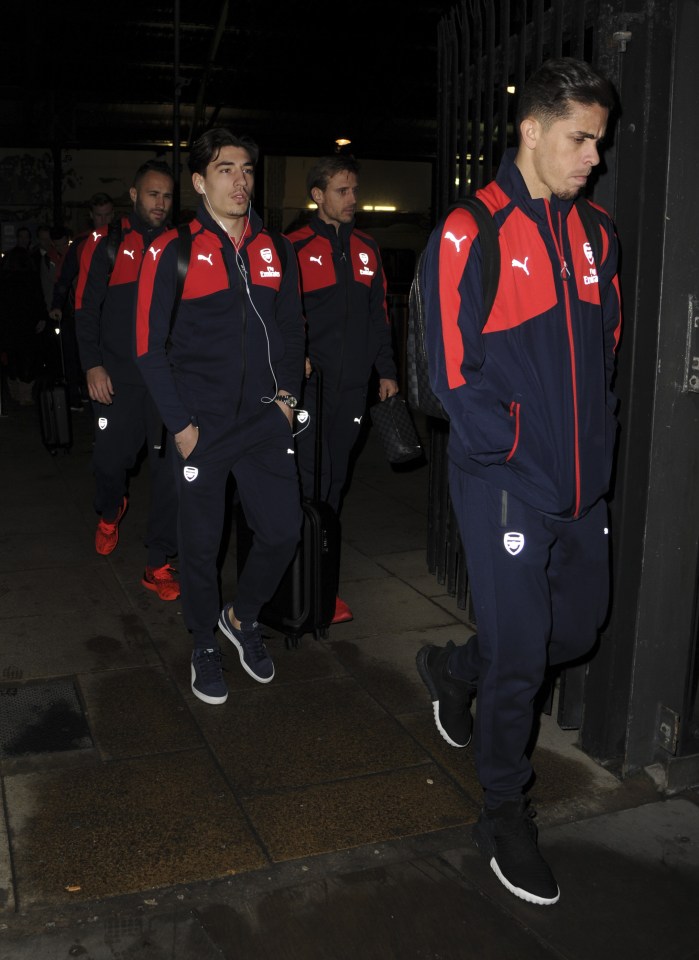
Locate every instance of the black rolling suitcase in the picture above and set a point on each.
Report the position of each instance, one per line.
(54, 410)
(55, 417)
(305, 598)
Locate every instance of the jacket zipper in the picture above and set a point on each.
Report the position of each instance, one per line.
(344, 264)
(565, 274)
(243, 331)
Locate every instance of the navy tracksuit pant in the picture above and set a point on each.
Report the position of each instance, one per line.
(540, 589)
(342, 413)
(260, 455)
(121, 429)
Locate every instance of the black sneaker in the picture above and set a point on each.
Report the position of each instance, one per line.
(251, 649)
(451, 698)
(207, 679)
(507, 838)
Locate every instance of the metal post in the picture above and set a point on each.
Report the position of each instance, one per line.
(176, 112)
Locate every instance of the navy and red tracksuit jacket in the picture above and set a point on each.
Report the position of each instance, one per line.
(529, 395)
(344, 301)
(63, 292)
(225, 340)
(104, 303)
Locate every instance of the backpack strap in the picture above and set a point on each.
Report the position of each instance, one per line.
(279, 246)
(420, 394)
(184, 249)
(490, 249)
(591, 226)
(114, 234)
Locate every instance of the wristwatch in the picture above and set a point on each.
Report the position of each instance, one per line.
(287, 399)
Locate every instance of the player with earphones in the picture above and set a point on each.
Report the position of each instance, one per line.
(225, 374)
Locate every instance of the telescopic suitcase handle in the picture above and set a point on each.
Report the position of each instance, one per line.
(318, 434)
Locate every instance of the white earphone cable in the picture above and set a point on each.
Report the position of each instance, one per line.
(240, 263)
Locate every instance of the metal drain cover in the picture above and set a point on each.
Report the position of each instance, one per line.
(43, 717)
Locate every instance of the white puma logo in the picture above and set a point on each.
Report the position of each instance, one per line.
(154, 251)
(522, 266)
(129, 253)
(95, 235)
(207, 258)
(457, 243)
(317, 260)
(357, 419)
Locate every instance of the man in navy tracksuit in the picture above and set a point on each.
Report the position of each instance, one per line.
(532, 432)
(348, 330)
(125, 416)
(226, 386)
(63, 300)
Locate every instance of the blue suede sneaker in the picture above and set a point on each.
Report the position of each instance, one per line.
(207, 678)
(251, 649)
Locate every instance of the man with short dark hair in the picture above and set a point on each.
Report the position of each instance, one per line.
(528, 392)
(225, 375)
(101, 208)
(124, 414)
(348, 328)
(101, 213)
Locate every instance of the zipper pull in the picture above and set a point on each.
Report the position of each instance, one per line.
(565, 272)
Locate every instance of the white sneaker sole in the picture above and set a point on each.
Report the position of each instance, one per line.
(204, 696)
(523, 894)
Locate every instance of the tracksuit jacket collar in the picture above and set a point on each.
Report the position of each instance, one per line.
(510, 179)
(339, 237)
(253, 227)
(148, 232)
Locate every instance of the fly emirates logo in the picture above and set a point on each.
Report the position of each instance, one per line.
(364, 270)
(592, 276)
(267, 256)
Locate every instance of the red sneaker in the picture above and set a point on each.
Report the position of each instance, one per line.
(107, 533)
(162, 581)
(342, 612)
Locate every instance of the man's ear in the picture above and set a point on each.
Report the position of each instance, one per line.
(530, 131)
(133, 193)
(316, 195)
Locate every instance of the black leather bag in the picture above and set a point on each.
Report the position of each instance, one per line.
(395, 426)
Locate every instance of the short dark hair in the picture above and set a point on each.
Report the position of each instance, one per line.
(100, 200)
(59, 231)
(550, 91)
(324, 169)
(208, 146)
(154, 166)
(23, 230)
